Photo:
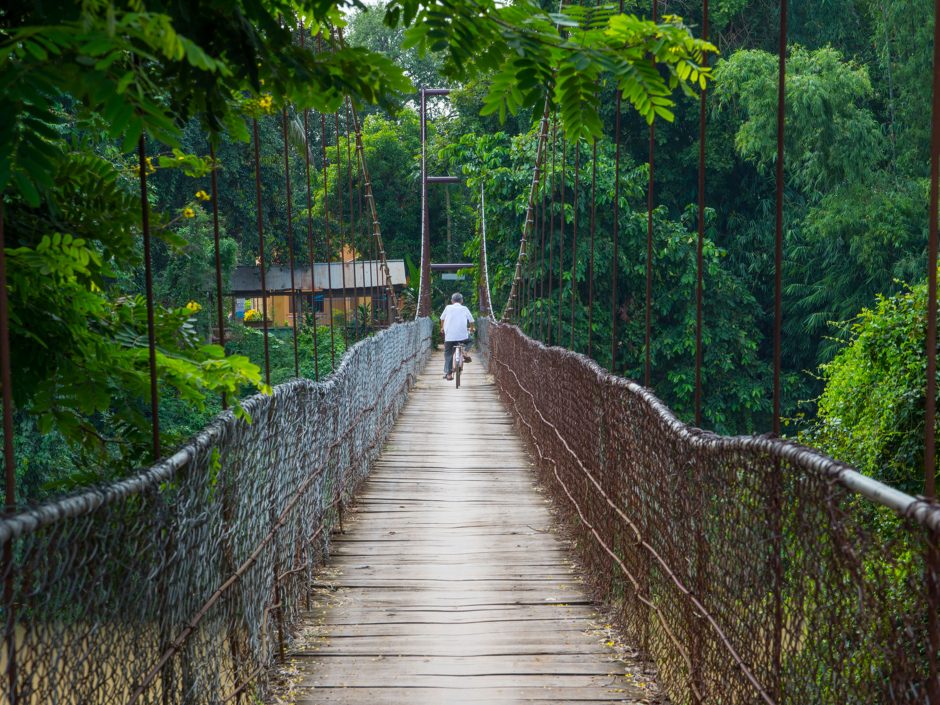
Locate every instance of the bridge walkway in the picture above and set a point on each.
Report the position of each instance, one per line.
(450, 584)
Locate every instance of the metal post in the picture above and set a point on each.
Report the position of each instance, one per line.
(424, 296)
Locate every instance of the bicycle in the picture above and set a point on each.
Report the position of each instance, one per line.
(457, 362)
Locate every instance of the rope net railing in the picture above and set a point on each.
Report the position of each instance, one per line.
(181, 583)
(751, 569)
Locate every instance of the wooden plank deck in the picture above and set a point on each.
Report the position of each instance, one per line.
(449, 585)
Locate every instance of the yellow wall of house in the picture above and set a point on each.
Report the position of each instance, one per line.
(279, 313)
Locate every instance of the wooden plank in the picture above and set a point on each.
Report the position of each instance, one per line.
(449, 584)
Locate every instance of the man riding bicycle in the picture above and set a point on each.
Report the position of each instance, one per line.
(456, 326)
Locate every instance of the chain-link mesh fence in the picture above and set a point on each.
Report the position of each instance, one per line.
(753, 570)
(180, 584)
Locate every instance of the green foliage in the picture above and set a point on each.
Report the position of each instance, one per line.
(368, 30)
(831, 136)
(94, 357)
(42, 460)
(735, 378)
(188, 270)
(315, 363)
(871, 413)
(534, 55)
(902, 36)
(855, 243)
(82, 81)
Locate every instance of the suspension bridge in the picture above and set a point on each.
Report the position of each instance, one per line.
(549, 533)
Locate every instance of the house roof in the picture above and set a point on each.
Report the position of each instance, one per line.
(246, 280)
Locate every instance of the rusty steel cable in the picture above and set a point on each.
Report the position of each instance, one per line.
(544, 241)
(930, 457)
(148, 288)
(311, 257)
(352, 225)
(648, 364)
(391, 300)
(364, 242)
(261, 260)
(776, 510)
(524, 285)
(220, 312)
(551, 232)
(373, 277)
(487, 302)
(294, 308)
(535, 269)
(930, 464)
(615, 231)
(526, 297)
(561, 232)
(590, 344)
(574, 233)
(310, 247)
(542, 229)
(699, 283)
(329, 245)
(510, 308)
(615, 234)
(341, 230)
(188, 547)
(9, 466)
(339, 208)
(639, 489)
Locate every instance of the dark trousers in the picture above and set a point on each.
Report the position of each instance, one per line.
(449, 346)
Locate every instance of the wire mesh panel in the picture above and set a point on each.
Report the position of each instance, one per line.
(753, 570)
(180, 584)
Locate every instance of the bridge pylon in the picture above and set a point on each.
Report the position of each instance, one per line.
(424, 287)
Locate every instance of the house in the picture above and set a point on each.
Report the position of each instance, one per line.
(330, 289)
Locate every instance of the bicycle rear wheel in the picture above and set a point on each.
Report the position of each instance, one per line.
(457, 374)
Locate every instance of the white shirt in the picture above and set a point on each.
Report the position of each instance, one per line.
(455, 318)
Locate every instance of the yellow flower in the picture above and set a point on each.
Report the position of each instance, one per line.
(189, 213)
(203, 196)
(193, 307)
(265, 102)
